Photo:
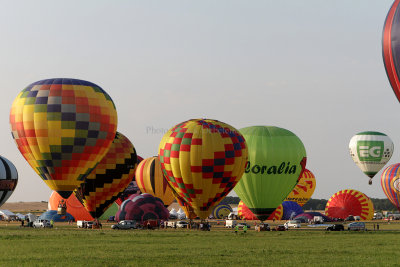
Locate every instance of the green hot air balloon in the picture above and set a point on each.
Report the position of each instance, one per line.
(277, 158)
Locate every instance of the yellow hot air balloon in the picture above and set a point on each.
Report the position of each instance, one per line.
(150, 179)
(203, 160)
(63, 128)
(304, 189)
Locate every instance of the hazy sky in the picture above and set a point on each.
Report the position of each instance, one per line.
(313, 67)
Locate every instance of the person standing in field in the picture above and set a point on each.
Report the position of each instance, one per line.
(245, 228)
(236, 229)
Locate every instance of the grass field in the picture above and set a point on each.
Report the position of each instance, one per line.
(65, 245)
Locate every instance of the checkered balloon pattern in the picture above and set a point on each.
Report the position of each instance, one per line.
(63, 128)
(110, 177)
(203, 160)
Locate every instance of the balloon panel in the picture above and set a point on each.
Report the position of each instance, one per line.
(390, 182)
(391, 47)
(203, 160)
(8, 179)
(304, 189)
(63, 127)
(150, 179)
(349, 202)
(110, 177)
(371, 151)
(277, 158)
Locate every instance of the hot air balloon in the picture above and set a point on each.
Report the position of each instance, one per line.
(8, 179)
(131, 189)
(371, 151)
(245, 213)
(290, 210)
(74, 206)
(349, 202)
(390, 182)
(63, 128)
(277, 158)
(150, 179)
(142, 208)
(304, 189)
(391, 47)
(110, 177)
(202, 160)
(221, 211)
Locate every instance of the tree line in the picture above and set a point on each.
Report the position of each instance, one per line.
(380, 204)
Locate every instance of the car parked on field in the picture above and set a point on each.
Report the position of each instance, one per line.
(357, 226)
(335, 227)
(293, 224)
(280, 227)
(182, 224)
(39, 223)
(125, 224)
(241, 225)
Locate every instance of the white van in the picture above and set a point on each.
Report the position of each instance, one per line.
(294, 224)
(230, 223)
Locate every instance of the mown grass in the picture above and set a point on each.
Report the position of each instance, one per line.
(68, 246)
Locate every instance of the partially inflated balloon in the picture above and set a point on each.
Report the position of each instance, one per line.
(371, 151)
(390, 182)
(349, 202)
(8, 179)
(74, 206)
(391, 47)
(63, 128)
(203, 160)
(221, 211)
(277, 158)
(110, 177)
(290, 210)
(150, 179)
(304, 189)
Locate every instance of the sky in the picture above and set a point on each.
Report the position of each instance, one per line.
(313, 67)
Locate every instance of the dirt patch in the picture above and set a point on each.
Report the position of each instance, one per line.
(25, 207)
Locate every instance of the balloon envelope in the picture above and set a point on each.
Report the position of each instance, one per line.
(74, 206)
(63, 128)
(349, 202)
(8, 179)
(131, 189)
(202, 160)
(245, 213)
(221, 211)
(277, 158)
(52, 215)
(371, 151)
(110, 177)
(304, 189)
(390, 182)
(142, 208)
(290, 210)
(391, 47)
(150, 179)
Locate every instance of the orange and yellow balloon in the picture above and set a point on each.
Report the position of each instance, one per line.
(63, 128)
(304, 189)
(150, 179)
(203, 160)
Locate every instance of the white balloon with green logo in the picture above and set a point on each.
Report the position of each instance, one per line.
(371, 151)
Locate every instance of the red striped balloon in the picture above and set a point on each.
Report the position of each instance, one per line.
(390, 182)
